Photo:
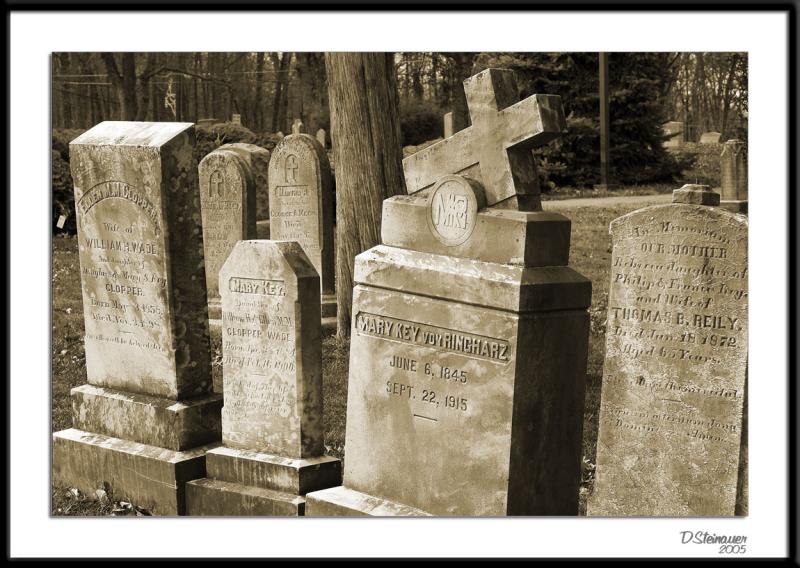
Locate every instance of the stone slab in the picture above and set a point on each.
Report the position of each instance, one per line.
(528, 238)
(267, 471)
(154, 478)
(147, 419)
(473, 282)
(216, 498)
(141, 258)
(671, 408)
(343, 502)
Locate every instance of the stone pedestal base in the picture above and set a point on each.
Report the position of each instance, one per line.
(151, 477)
(734, 206)
(343, 502)
(249, 483)
(155, 421)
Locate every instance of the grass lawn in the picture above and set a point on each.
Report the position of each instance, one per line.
(590, 255)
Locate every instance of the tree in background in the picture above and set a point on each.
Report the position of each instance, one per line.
(708, 92)
(365, 131)
(638, 109)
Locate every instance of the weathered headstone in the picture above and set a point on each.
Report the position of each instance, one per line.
(734, 176)
(448, 125)
(236, 119)
(280, 135)
(676, 356)
(301, 205)
(207, 122)
(470, 332)
(257, 159)
(141, 423)
(227, 199)
(673, 129)
(710, 138)
(321, 138)
(298, 127)
(272, 427)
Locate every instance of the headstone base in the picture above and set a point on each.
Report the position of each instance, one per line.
(246, 482)
(144, 419)
(216, 498)
(152, 477)
(343, 502)
(734, 206)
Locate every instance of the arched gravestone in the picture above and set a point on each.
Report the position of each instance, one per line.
(257, 161)
(141, 423)
(227, 197)
(272, 426)
(469, 333)
(670, 426)
(301, 205)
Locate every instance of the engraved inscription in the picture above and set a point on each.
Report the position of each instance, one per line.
(413, 333)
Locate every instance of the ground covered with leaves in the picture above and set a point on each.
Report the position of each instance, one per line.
(590, 254)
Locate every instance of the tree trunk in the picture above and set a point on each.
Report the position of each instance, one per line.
(281, 66)
(365, 130)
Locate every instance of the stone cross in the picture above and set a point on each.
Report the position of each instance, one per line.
(298, 127)
(496, 149)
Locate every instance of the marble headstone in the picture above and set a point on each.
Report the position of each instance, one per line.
(272, 424)
(467, 358)
(141, 422)
(734, 176)
(322, 138)
(676, 360)
(227, 198)
(301, 201)
(257, 160)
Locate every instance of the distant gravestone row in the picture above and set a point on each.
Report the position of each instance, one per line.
(465, 356)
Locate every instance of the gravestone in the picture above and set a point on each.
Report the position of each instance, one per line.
(272, 426)
(469, 331)
(676, 356)
(301, 207)
(206, 122)
(321, 138)
(279, 135)
(227, 200)
(144, 421)
(257, 160)
(710, 138)
(448, 125)
(298, 127)
(236, 119)
(675, 130)
(734, 176)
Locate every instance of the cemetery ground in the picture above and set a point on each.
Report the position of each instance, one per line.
(590, 256)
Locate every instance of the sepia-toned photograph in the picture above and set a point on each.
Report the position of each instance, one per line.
(348, 284)
(304, 283)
